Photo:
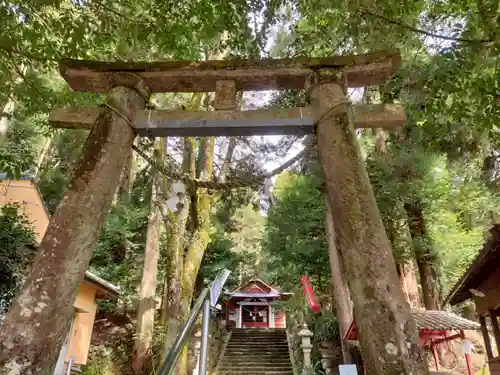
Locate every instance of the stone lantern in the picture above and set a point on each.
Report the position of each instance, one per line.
(306, 346)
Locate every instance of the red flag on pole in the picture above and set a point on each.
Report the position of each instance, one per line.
(309, 293)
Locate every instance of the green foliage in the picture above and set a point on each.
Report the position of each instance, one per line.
(17, 248)
(17, 152)
(235, 244)
(53, 184)
(102, 364)
(296, 242)
(118, 256)
(56, 170)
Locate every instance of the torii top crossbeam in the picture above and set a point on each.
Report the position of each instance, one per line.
(226, 77)
(202, 76)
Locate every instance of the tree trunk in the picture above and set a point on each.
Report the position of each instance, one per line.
(387, 330)
(406, 272)
(39, 318)
(227, 158)
(5, 114)
(201, 235)
(142, 356)
(44, 154)
(199, 238)
(7, 109)
(489, 11)
(409, 284)
(424, 255)
(341, 296)
(172, 311)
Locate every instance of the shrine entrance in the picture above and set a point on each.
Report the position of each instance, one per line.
(379, 305)
(255, 315)
(253, 305)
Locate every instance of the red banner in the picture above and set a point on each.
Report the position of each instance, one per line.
(309, 293)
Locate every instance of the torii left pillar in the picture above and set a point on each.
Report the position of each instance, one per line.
(46, 300)
(387, 331)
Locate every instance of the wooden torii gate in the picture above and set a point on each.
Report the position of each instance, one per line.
(387, 329)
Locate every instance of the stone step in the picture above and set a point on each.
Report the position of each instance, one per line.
(266, 334)
(236, 353)
(258, 342)
(254, 339)
(263, 346)
(251, 330)
(247, 361)
(256, 368)
(259, 334)
(256, 358)
(256, 348)
(275, 353)
(256, 352)
(257, 363)
(250, 372)
(256, 332)
(229, 366)
(258, 337)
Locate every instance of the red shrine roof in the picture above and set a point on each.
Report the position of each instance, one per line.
(428, 321)
(256, 288)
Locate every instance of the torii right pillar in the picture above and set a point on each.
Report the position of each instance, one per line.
(387, 331)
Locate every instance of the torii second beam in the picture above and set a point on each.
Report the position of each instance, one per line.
(274, 121)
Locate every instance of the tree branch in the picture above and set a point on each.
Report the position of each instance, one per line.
(27, 55)
(233, 182)
(227, 159)
(284, 166)
(420, 31)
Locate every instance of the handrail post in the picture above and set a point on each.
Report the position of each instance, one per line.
(204, 337)
(70, 365)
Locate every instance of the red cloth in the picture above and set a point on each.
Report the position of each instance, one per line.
(309, 293)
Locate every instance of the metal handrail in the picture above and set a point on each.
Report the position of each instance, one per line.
(181, 339)
(207, 296)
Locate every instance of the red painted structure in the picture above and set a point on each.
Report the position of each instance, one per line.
(252, 305)
(309, 293)
(434, 328)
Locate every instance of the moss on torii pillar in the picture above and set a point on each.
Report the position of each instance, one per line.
(39, 318)
(388, 335)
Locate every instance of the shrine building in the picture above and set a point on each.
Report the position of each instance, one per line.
(253, 305)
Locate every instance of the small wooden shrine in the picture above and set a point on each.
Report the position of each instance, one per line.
(253, 305)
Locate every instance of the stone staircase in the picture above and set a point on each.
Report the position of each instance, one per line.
(256, 351)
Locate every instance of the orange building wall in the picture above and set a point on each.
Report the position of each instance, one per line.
(26, 194)
(81, 333)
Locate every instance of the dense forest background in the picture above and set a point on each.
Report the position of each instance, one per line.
(436, 180)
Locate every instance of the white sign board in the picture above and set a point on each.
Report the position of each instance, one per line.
(217, 285)
(348, 370)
